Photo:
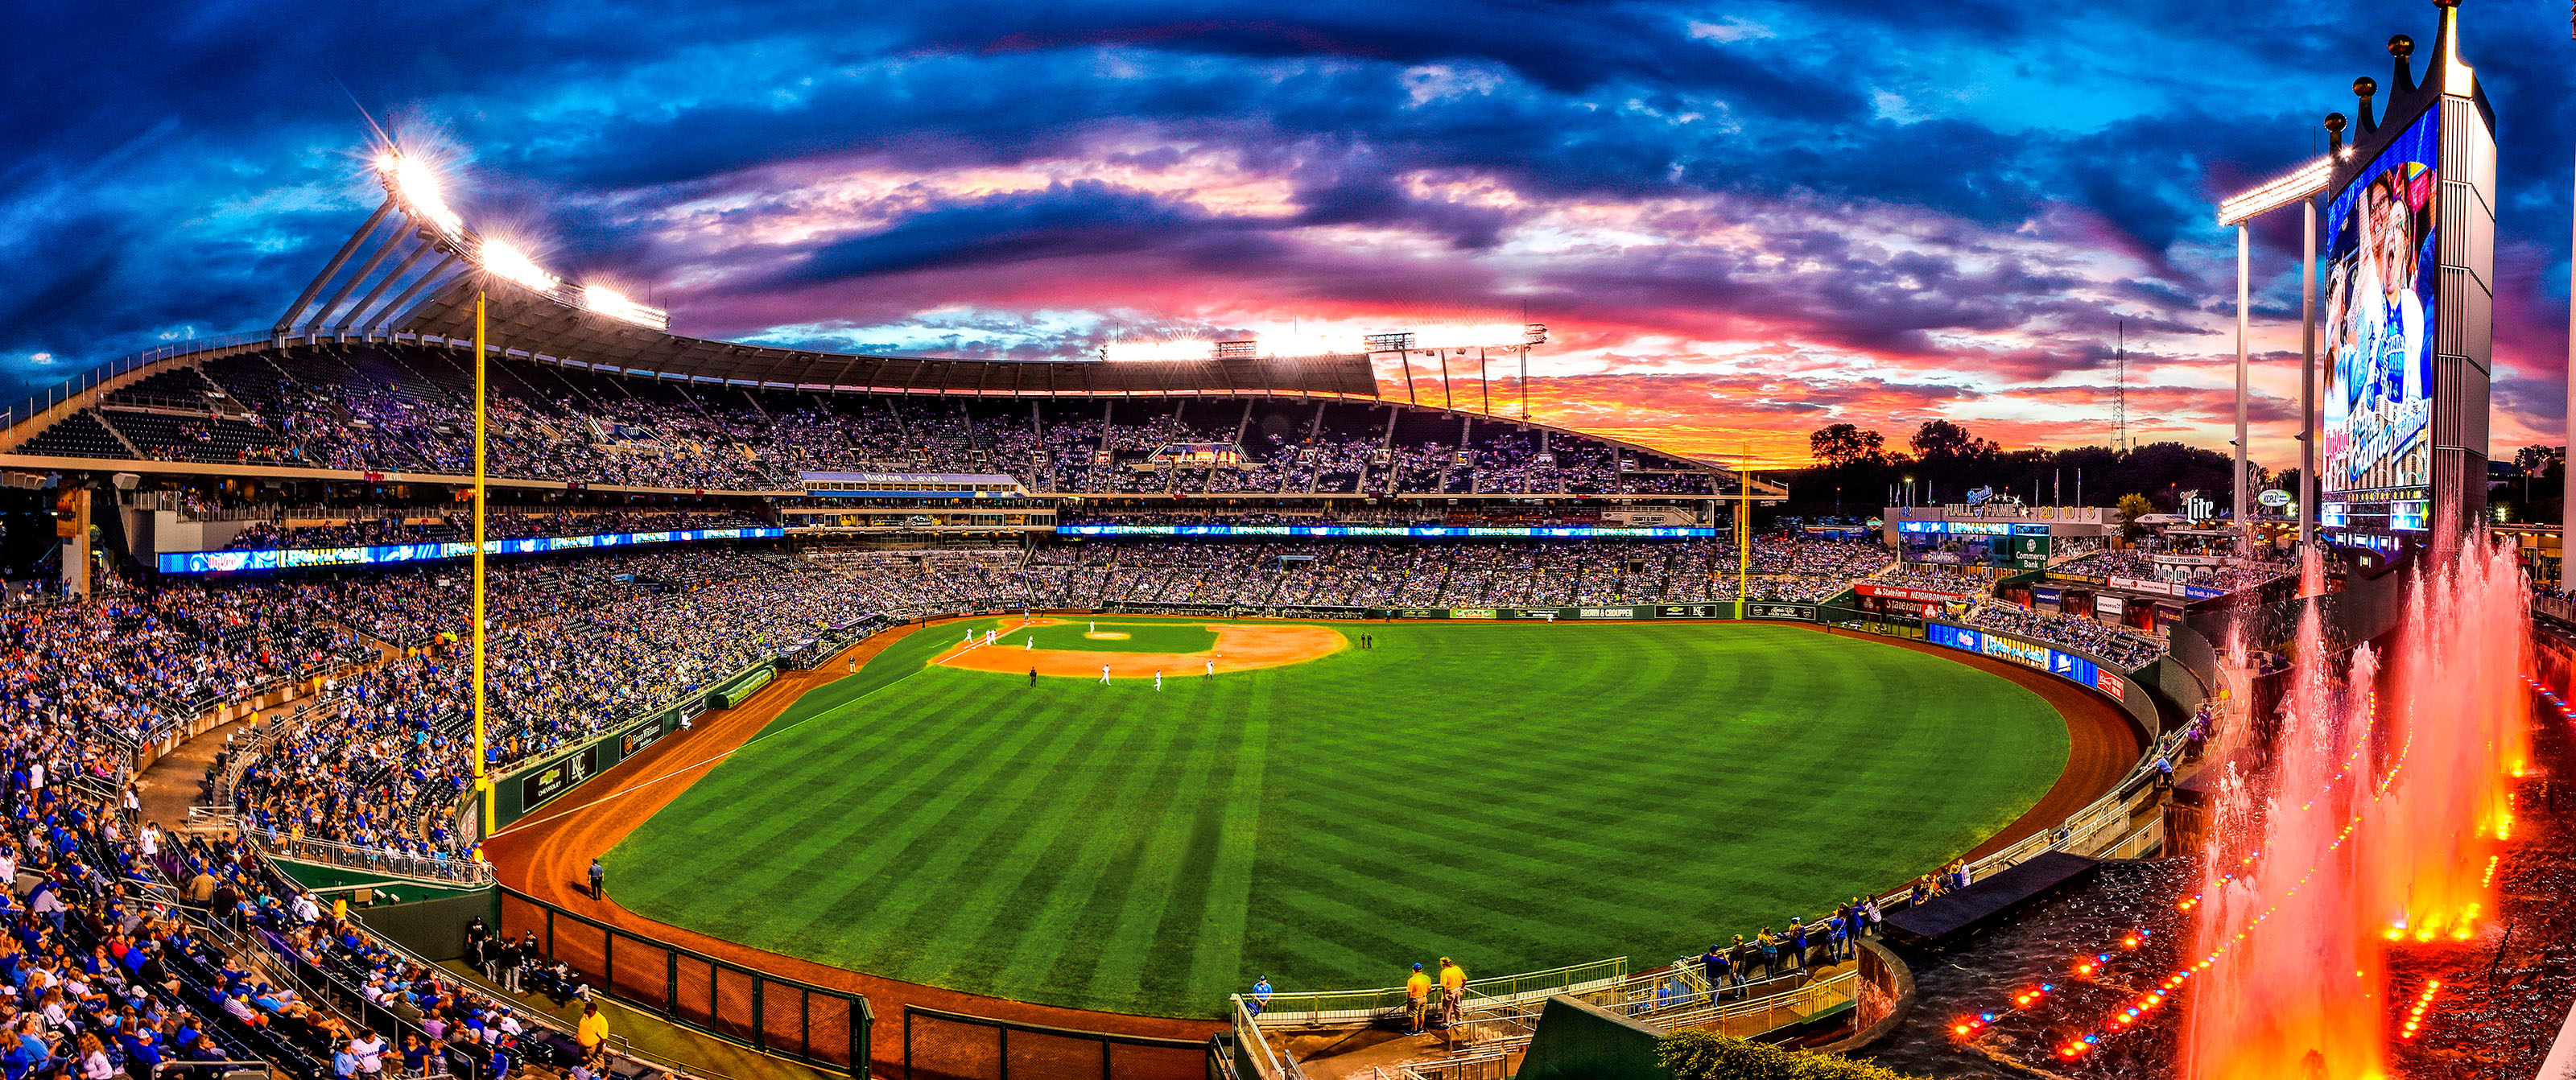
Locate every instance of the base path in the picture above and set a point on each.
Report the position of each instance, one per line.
(1239, 647)
(548, 857)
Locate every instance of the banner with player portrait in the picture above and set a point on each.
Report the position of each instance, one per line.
(2382, 280)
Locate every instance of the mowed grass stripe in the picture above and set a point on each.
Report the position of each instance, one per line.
(1043, 843)
(911, 782)
(1172, 866)
(1056, 911)
(913, 822)
(971, 854)
(1129, 835)
(1513, 796)
(1214, 944)
(776, 858)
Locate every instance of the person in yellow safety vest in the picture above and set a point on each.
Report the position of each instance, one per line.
(1417, 997)
(593, 1032)
(1453, 991)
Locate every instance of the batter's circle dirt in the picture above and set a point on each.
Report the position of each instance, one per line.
(1239, 647)
(547, 856)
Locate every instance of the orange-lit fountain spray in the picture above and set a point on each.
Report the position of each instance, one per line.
(2370, 828)
(2448, 814)
(2281, 979)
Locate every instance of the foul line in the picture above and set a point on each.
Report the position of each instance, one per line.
(524, 823)
(972, 645)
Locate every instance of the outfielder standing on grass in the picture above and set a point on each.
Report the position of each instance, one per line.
(1104, 674)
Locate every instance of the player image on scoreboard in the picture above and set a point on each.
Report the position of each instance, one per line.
(2382, 281)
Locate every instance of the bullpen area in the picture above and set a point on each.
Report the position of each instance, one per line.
(1516, 796)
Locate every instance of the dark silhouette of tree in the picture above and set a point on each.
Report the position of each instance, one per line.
(1840, 445)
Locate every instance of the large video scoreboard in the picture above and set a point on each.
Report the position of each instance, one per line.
(2409, 315)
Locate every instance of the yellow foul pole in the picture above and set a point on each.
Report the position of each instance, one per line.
(1743, 538)
(482, 783)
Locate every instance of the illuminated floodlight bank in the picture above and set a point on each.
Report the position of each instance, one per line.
(415, 184)
(614, 304)
(505, 260)
(2288, 189)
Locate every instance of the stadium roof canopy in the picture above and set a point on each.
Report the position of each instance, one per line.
(411, 272)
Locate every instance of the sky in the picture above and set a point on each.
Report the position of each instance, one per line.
(1739, 222)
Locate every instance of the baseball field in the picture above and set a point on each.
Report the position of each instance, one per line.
(1516, 796)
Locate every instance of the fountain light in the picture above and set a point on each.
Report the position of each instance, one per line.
(2415, 1016)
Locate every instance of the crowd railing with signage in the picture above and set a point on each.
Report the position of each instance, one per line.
(2150, 586)
(436, 866)
(226, 562)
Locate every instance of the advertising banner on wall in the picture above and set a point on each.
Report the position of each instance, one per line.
(1904, 592)
(2029, 654)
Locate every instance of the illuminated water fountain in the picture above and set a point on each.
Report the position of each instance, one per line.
(2369, 829)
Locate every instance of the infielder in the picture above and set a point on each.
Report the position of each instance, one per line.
(1158, 680)
(1104, 674)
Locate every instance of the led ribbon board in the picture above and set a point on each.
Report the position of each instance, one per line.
(225, 562)
(1533, 532)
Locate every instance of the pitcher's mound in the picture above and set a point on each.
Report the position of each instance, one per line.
(1108, 635)
(1239, 647)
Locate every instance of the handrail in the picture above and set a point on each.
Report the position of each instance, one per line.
(36, 404)
(1326, 1006)
(463, 871)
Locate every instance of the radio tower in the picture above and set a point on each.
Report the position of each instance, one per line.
(2121, 356)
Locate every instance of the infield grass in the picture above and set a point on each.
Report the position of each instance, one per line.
(1516, 796)
(1141, 636)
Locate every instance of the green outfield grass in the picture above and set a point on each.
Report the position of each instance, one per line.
(1517, 796)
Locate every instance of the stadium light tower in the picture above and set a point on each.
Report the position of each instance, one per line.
(1440, 341)
(2299, 186)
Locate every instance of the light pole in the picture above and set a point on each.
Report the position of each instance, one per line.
(2244, 289)
(2308, 364)
(482, 781)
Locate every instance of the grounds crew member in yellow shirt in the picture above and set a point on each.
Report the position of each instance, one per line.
(593, 1032)
(1453, 991)
(1417, 996)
